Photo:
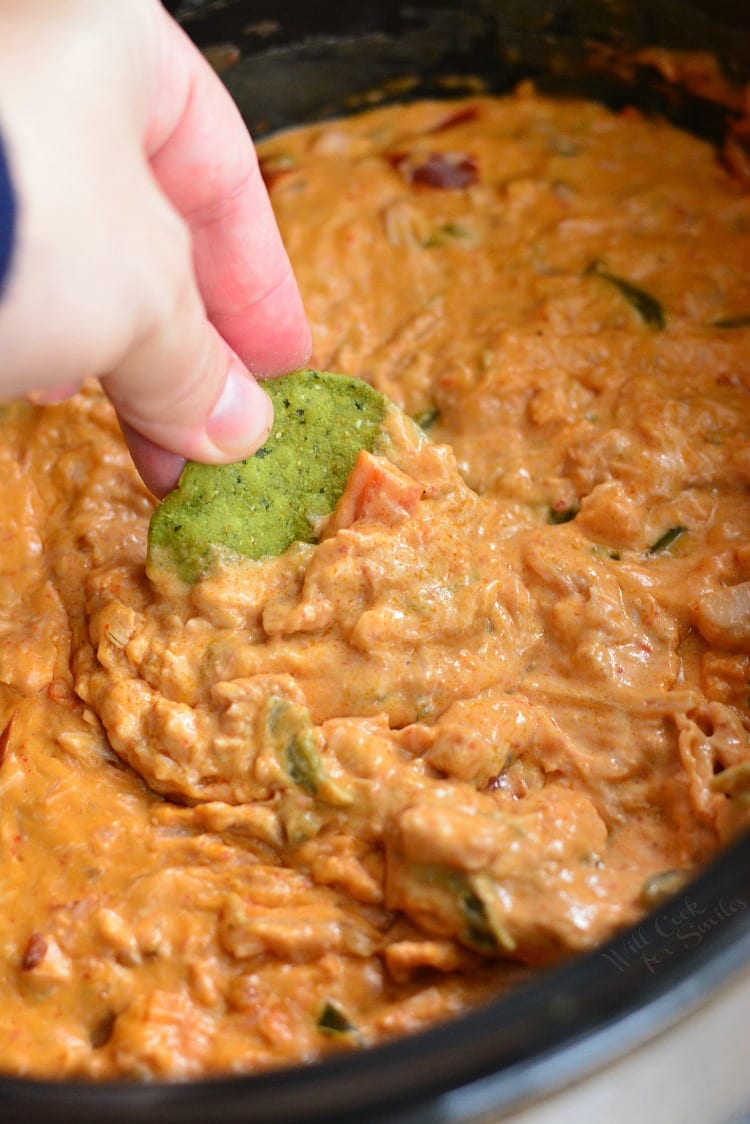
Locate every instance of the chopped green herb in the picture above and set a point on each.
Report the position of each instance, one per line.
(479, 932)
(557, 515)
(742, 321)
(606, 552)
(425, 419)
(261, 505)
(660, 887)
(484, 931)
(667, 540)
(450, 232)
(332, 1020)
(648, 308)
(469, 896)
(292, 733)
(304, 764)
(13, 411)
(734, 781)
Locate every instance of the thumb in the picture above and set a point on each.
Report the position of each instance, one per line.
(181, 392)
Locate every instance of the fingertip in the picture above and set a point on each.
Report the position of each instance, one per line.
(236, 427)
(241, 419)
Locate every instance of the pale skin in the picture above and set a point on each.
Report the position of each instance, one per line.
(147, 254)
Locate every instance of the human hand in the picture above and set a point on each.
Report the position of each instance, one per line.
(146, 253)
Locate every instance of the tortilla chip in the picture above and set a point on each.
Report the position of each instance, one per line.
(259, 506)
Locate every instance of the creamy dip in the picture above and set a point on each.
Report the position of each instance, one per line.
(316, 801)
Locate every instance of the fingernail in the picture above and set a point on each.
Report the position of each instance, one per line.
(241, 419)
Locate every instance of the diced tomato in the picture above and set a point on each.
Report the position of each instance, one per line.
(376, 490)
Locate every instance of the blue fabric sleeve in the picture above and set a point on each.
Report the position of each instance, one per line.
(7, 217)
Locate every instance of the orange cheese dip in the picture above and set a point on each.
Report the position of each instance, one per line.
(313, 802)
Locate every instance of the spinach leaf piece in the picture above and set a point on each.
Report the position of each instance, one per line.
(668, 539)
(648, 307)
(729, 322)
(332, 1020)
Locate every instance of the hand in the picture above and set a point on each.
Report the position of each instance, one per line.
(147, 253)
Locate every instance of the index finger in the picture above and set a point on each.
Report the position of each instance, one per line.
(203, 157)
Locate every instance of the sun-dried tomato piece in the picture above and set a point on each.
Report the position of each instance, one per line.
(36, 950)
(448, 171)
(398, 160)
(5, 737)
(459, 117)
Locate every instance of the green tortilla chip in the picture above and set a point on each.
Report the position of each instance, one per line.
(260, 506)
